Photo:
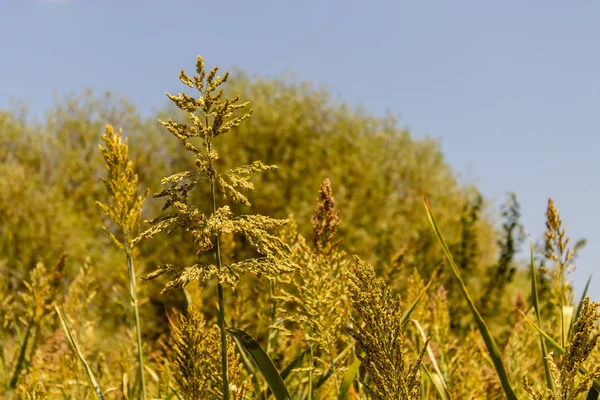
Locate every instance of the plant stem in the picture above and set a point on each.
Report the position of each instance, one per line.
(271, 331)
(335, 379)
(133, 294)
(310, 374)
(221, 319)
(223, 344)
(21, 359)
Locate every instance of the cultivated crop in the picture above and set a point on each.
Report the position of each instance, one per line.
(197, 293)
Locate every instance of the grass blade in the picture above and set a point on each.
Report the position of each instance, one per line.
(20, 362)
(536, 306)
(329, 371)
(409, 310)
(567, 321)
(440, 383)
(173, 393)
(490, 343)
(90, 374)
(295, 363)
(264, 363)
(580, 305)
(348, 379)
(21, 358)
(559, 349)
(437, 381)
(248, 365)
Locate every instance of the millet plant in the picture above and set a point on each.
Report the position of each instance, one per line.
(324, 324)
(211, 115)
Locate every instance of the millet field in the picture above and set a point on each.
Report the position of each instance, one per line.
(257, 239)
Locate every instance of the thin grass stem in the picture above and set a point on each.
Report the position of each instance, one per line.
(335, 379)
(134, 301)
(221, 319)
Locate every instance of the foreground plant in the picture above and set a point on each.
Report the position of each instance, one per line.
(197, 361)
(486, 335)
(124, 208)
(560, 254)
(38, 299)
(567, 385)
(212, 115)
(380, 337)
(317, 302)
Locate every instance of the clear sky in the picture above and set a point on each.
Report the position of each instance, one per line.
(511, 87)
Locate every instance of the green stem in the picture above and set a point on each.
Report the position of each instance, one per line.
(223, 344)
(134, 301)
(310, 374)
(21, 359)
(335, 379)
(221, 319)
(271, 331)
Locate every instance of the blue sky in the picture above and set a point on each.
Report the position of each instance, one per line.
(511, 88)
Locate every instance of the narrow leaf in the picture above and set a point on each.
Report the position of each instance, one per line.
(21, 358)
(536, 306)
(440, 383)
(295, 363)
(409, 310)
(248, 365)
(567, 321)
(90, 374)
(437, 382)
(580, 305)
(348, 379)
(490, 343)
(330, 370)
(264, 363)
(559, 349)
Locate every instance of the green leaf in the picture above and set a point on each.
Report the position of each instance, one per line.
(295, 363)
(173, 393)
(438, 380)
(490, 343)
(409, 310)
(20, 360)
(566, 318)
(536, 306)
(248, 365)
(264, 363)
(580, 305)
(557, 347)
(90, 374)
(348, 379)
(329, 371)
(273, 333)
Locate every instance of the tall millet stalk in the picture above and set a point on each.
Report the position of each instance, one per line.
(209, 116)
(124, 208)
